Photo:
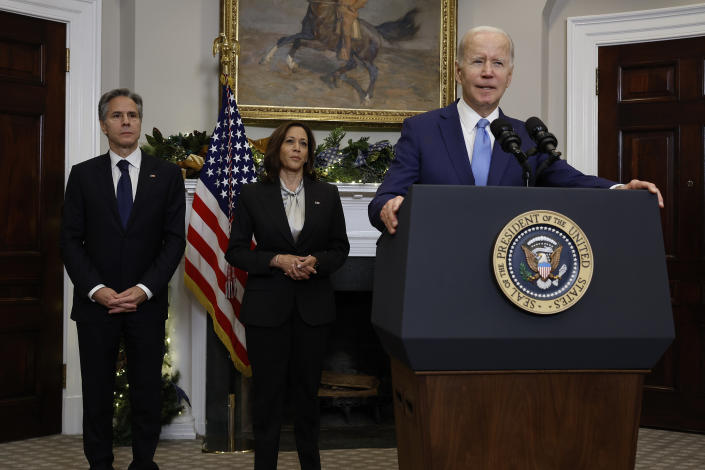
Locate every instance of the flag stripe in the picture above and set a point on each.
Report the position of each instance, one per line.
(208, 255)
(229, 307)
(203, 241)
(222, 310)
(211, 216)
(233, 343)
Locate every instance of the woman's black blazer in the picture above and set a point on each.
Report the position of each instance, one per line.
(270, 295)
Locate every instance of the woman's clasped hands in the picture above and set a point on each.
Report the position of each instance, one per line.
(296, 267)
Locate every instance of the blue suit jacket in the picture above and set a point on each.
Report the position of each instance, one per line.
(431, 150)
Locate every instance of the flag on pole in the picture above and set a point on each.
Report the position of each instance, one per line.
(217, 285)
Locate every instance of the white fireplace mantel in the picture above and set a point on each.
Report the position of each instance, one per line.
(361, 234)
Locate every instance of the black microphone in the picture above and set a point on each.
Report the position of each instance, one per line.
(510, 142)
(506, 138)
(545, 141)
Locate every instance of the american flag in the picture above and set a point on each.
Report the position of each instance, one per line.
(216, 284)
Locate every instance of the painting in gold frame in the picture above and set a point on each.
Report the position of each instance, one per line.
(414, 69)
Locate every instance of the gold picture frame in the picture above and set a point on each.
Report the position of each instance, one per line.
(414, 74)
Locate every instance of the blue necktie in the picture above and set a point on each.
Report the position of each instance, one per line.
(124, 192)
(481, 154)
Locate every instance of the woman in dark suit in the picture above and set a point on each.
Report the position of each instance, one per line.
(288, 306)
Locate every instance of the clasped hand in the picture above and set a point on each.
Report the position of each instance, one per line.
(125, 301)
(296, 267)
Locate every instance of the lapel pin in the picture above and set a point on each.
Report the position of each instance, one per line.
(316, 202)
(152, 175)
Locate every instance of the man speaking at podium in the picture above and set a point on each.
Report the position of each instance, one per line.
(454, 145)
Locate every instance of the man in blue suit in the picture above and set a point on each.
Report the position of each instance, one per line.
(440, 146)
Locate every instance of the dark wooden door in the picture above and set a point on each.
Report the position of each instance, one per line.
(651, 121)
(32, 107)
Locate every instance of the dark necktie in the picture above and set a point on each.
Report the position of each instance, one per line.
(481, 154)
(124, 192)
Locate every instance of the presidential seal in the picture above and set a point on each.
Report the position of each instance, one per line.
(543, 262)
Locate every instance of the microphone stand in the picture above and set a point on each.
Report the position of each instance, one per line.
(526, 175)
(511, 143)
(526, 169)
(553, 156)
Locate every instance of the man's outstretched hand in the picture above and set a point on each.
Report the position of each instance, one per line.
(651, 187)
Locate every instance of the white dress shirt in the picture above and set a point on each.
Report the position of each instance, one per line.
(135, 160)
(468, 121)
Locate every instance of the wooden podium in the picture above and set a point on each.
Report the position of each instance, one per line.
(480, 384)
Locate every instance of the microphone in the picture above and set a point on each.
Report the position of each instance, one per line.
(507, 139)
(545, 141)
(510, 142)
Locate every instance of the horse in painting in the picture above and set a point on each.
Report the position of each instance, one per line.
(320, 30)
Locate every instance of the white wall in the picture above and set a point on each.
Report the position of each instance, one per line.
(110, 45)
(162, 50)
(522, 20)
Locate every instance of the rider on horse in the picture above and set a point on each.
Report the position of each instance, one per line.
(348, 25)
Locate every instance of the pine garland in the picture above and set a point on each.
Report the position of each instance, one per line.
(179, 149)
(358, 162)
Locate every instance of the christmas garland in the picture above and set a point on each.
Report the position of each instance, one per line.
(358, 162)
(186, 150)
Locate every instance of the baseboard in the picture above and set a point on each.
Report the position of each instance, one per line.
(72, 420)
(182, 427)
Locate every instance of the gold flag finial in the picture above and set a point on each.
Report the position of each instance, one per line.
(226, 44)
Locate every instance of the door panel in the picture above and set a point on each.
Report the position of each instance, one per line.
(32, 107)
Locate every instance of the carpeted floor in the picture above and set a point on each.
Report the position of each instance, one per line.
(657, 449)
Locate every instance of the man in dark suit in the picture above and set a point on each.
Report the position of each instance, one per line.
(122, 237)
(453, 145)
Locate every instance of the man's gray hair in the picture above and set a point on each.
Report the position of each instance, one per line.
(105, 99)
(460, 53)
